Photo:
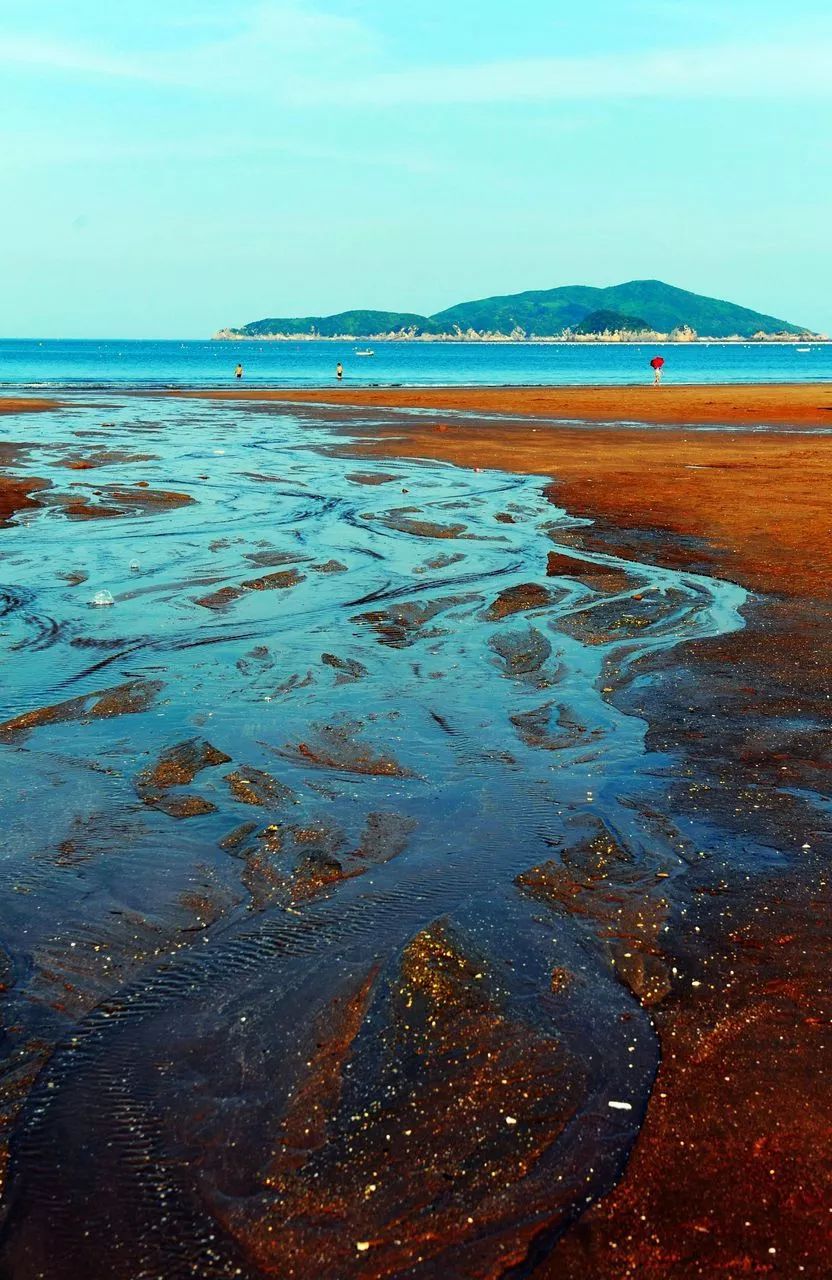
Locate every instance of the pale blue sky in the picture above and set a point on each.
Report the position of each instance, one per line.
(172, 166)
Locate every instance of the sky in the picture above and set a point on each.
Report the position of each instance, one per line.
(174, 166)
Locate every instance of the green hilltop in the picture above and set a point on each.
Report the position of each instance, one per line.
(546, 313)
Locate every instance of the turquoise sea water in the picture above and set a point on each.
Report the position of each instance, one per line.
(57, 363)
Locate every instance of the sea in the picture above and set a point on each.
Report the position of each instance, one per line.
(54, 364)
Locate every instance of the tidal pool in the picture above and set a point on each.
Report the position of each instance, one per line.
(335, 887)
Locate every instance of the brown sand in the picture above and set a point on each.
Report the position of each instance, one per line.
(806, 404)
(730, 1175)
(761, 502)
(15, 404)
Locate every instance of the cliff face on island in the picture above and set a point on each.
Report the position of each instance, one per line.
(640, 309)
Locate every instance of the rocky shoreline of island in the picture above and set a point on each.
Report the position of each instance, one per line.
(615, 338)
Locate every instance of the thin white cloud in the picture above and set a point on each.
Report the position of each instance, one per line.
(288, 53)
(258, 48)
(22, 53)
(724, 71)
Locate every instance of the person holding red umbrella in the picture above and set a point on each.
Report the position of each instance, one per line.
(656, 364)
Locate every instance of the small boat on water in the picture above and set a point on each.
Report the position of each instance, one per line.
(803, 350)
(368, 352)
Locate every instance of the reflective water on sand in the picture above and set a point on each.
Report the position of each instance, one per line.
(330, 866)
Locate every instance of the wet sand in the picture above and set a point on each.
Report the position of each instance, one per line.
(730, 1143)
(760, 504)
(793, 404)
(730, 1173)
(20, 404)
(619, 916)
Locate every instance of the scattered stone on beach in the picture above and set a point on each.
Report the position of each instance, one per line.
(527, 595)
(124, 699)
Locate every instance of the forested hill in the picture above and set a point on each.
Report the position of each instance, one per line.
(546, 313)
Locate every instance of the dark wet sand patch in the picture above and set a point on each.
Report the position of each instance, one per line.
(600, 577)
(16, 494)
(177, 766)
(257, 787)
(370, 477)
(338, 747)
(599, 881)
(447, 1070)
(329, 566)
(404, 624)
(125, 699)
(347, 668)
(523, 653)
(519, 599)
(103, 458)
(279, 581)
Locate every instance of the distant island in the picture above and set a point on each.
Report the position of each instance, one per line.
(639, 311)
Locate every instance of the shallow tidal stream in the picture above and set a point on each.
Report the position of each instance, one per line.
(335, 887)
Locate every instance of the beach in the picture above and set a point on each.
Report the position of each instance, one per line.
(462, 777)
(746, 404)
(751, 499)
(729, 1146)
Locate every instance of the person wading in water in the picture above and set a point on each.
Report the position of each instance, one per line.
(657, 364)
(238, 372)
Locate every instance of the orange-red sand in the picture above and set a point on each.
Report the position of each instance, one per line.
(804, 404)
(18, 404)
(762, 501)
